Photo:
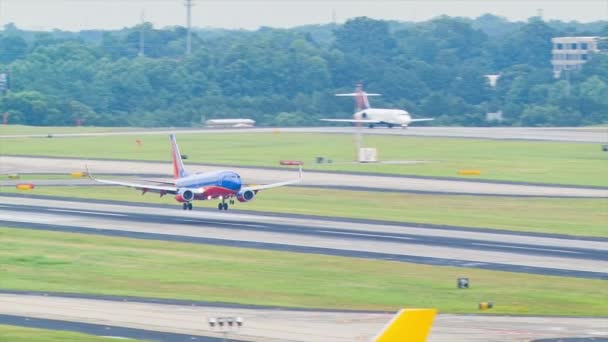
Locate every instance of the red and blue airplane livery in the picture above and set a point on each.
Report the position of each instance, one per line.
(186, 187)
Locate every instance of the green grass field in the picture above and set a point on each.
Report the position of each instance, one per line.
(545, 162)
(9, 333)
(584, 217)
(66, 262)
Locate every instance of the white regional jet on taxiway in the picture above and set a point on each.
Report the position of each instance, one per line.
(366, 115)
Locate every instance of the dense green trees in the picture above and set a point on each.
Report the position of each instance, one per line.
(288, 77)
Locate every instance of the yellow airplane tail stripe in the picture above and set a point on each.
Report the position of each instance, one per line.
(408, 325)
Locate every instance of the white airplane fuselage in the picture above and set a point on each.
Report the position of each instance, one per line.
(389, 117)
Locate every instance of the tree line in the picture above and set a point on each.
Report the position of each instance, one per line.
(286, 77)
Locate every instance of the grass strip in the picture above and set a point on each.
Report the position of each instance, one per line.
(9, 333)
(79, 263)
(528, 161)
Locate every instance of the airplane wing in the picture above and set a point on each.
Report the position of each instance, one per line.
(164, 189)
(352, 120)
(274, 185)
(145, 187)
(156, 181)
(423, 119)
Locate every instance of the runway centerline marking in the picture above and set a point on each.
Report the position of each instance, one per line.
(221, 223)
(520, 247)
(366, 234)
(85, 212)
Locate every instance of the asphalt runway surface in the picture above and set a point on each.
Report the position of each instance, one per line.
(102, 330)
(450, 246)
(571, 134)
(365, 182)
(107, 317)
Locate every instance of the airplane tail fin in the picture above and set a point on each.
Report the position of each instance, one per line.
(178, 164)
(361, 101)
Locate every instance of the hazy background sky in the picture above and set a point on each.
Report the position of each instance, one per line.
(250, 14)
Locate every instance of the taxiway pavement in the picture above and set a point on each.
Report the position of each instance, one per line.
(287, 325)
(447, 246)
(366, 182)
(571, 134)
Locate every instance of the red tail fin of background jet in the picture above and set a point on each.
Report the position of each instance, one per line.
(361, 101)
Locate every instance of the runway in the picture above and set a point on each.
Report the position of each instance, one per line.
(571, 134)
(448, 246)
(365, 182)
(264, 324)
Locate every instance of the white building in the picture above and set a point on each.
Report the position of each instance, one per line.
(569, 53)
(230, 123)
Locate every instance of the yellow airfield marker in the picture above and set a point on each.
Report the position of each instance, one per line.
(408, 325)
(469, 172)
(486, 305)
(25, 186)
(78, 174)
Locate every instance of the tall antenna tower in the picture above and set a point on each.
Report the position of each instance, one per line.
(141, 34)
(189, 5)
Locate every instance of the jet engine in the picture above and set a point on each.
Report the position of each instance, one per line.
(184, 195)
(245, 196)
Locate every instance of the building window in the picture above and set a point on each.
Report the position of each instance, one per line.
(559, 46)
(584, 57)
(573, 46)
(584, 46)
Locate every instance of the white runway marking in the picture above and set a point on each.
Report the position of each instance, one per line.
(363, 234)
(86, 212)
(529, 248)
(222, 223)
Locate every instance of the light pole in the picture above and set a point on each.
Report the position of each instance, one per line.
(188, 27)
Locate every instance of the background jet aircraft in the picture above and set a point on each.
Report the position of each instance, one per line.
(186, 187)
(365, 114)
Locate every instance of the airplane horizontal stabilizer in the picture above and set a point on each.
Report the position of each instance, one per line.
(352, 120)
(359, 94)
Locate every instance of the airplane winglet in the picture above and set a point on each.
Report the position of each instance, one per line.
(86, 167)
(294, 162)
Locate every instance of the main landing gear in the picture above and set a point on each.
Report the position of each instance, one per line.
(222, 206)
(187, 206)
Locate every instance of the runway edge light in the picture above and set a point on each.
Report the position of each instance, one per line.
(408, 325)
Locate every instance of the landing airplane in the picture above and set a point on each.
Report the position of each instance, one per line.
(365, 114)
(186, 187)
